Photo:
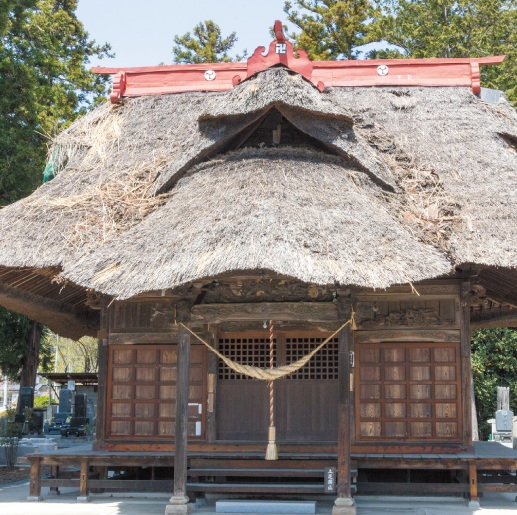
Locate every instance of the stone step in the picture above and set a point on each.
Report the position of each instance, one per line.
(196, 472)
(296, 507)
(267, 488)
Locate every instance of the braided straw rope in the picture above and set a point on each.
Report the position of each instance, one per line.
(270, 374)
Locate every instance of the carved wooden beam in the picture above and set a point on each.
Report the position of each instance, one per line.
(424, 290)
(285, 311)
(443, 335)
(257, 326)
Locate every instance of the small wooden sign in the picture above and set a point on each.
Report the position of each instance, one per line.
(211, 383)
(330, 480)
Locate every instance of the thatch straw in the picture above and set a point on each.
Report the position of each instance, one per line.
(458, 172)
(272, 87)
(297, 212)
(425, 177)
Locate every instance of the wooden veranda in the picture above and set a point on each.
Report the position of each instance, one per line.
(489, 468)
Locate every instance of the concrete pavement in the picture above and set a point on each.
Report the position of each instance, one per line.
(13, 496)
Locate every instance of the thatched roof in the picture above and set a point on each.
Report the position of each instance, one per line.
(454, 153)
(300, 213)
(390, 185)
(274, 86)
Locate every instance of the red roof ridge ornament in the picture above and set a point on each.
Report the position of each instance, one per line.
(180, 78)
(119, 86)
(281, 51)
(279, 31)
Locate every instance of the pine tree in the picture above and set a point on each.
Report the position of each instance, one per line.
(330, 29)
(205, 46)
(459, 28)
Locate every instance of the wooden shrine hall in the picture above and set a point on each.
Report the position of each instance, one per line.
(281, 259)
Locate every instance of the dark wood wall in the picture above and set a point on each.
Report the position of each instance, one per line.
(408, 388)
(412, 366)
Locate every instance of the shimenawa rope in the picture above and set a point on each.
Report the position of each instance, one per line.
(271, 374)
(271, 450)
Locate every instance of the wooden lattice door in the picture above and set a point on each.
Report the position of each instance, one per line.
(305, 402)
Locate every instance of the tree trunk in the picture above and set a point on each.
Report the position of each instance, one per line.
(31, 360)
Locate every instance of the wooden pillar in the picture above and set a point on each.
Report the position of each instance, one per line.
(35, 481)
(179, 504)
(466, 372)
(344, 504)
(212, 371)
(83, 481)
(351, 388)
(473, 482)
(102, 390)
(54, 490)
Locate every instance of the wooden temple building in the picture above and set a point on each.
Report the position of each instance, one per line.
(207, 202)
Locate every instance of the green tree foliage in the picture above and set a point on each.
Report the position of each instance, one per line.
(44, 85)
(42, 402)
(11, 8)
(75, 356)
(494, 363)
(447, 28)
(330, 29)
(14, 331)
(205, 46)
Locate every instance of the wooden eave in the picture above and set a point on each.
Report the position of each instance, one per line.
(61, 307)
(81, 378)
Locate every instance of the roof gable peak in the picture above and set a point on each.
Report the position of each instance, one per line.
(281, 52)
(159, 80)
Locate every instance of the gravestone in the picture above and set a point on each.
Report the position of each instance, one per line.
(26, 400)
(37, 421)
(80, 405)
(90, 409)
(65, 400)
(503, 421)
(503, 398)
(502, 424)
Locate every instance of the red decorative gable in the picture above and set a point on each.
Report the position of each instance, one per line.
(159, 80)
(281, 51)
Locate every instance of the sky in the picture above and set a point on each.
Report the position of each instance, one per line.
(141, 32)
